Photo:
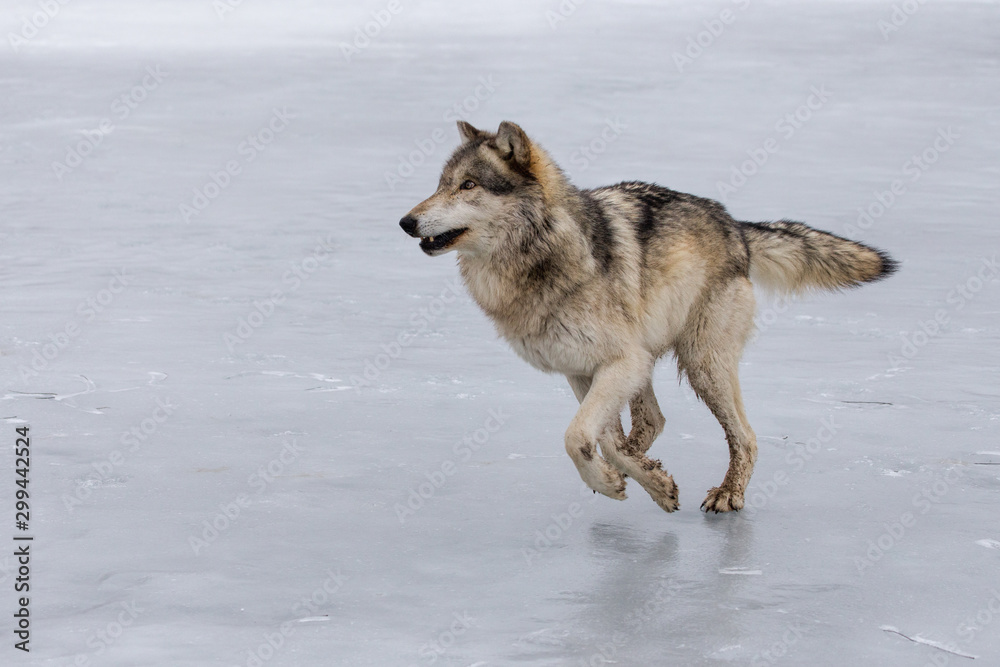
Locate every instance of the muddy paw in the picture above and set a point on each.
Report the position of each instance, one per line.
(611, 484)
(721, 499)
(663, 490)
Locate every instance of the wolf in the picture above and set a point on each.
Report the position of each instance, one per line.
(599, 284)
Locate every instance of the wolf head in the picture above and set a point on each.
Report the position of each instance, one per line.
(487, 189)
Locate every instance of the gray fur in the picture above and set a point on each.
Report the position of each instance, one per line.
(599, 284)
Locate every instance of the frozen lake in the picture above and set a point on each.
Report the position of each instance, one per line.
(235, 462)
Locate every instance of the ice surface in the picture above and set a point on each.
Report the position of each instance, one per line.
(870, 415)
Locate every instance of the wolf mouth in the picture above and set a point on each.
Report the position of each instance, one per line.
(431, 243)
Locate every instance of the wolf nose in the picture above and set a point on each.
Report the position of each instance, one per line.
(409, 225)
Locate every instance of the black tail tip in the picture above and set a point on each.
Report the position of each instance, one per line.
(889, 265)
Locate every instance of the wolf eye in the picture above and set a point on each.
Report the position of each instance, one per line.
(467, 185)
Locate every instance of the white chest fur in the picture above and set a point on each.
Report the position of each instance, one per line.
(558, 350)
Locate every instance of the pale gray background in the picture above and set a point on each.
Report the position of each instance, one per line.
(623, 582)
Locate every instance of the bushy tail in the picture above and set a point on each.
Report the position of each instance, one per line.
(792, 257)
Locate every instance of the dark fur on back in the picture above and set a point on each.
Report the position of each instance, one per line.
(658, 213)
(788, 256)
(597, 228)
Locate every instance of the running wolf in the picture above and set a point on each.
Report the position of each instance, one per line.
(599, 284)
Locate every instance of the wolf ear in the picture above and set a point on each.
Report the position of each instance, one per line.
(513, 143)
(467, 131)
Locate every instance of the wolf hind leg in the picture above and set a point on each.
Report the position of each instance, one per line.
(647, 420)
(709, 353)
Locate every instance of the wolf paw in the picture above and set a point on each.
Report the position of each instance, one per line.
(663, 490)
(611, 483)
(721, 499)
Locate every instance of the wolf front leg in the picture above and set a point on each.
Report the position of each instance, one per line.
(602, 397)
(594, 470)
(628, 455)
